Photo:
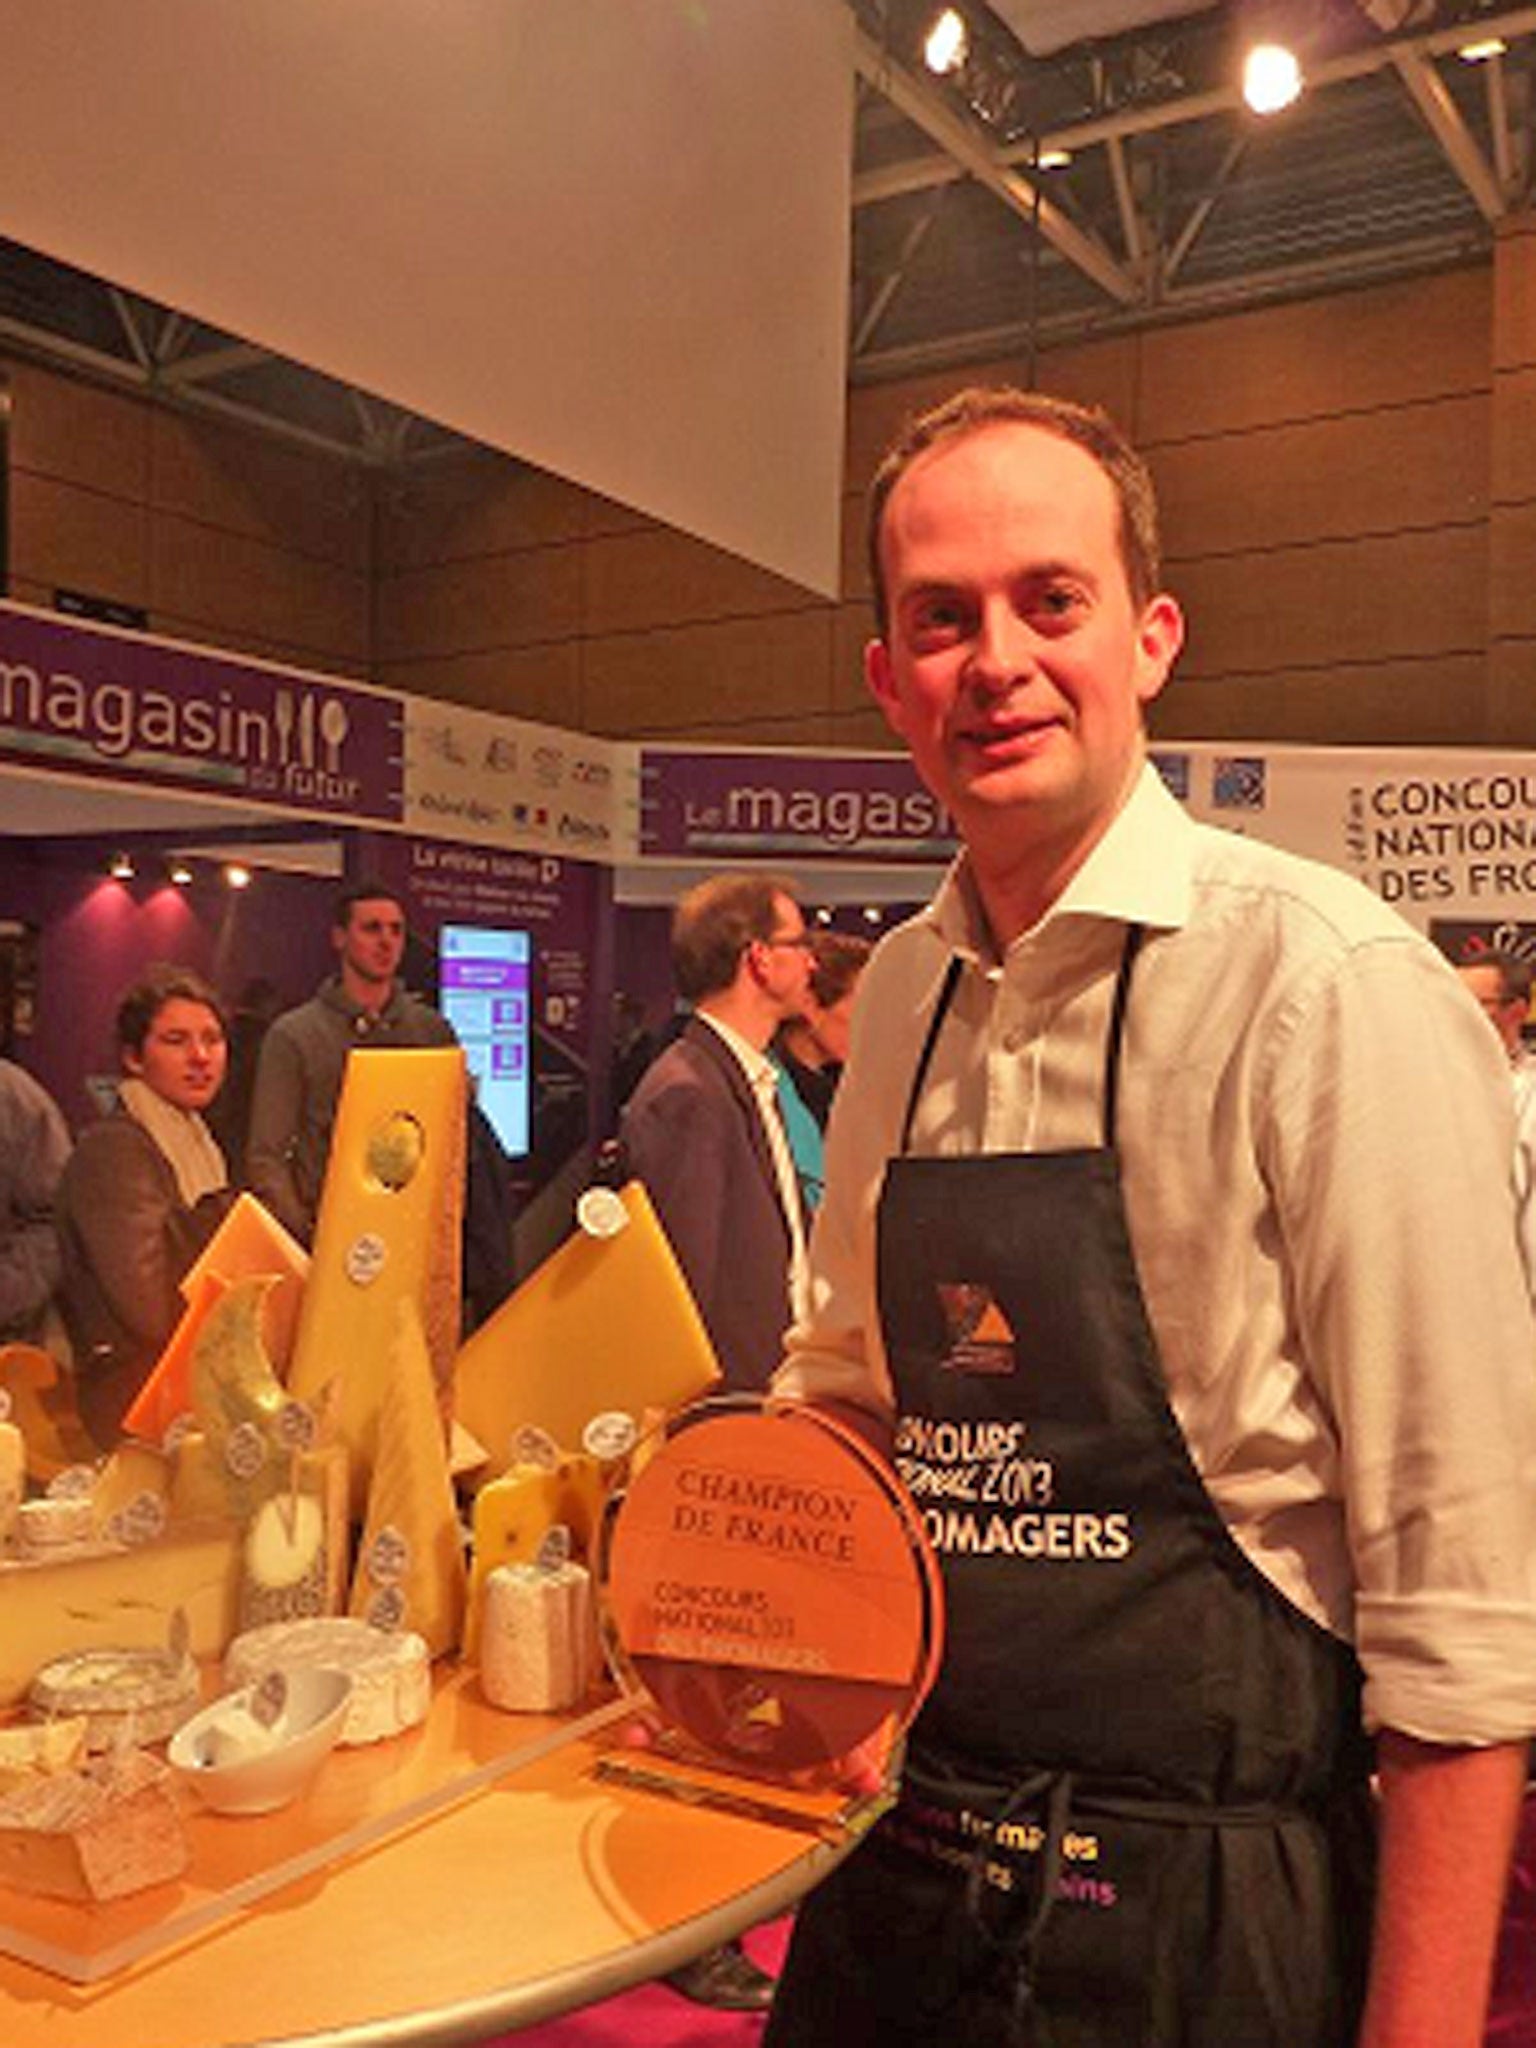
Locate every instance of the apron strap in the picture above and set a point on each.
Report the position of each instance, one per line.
(1133, 937)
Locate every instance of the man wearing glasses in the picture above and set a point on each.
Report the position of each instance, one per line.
(703, 1130)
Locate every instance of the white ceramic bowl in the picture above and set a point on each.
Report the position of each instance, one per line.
(200, 1750)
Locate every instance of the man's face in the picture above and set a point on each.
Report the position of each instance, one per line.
(1487, 986)
(372, 940)
(1017, 664)
(783, 961)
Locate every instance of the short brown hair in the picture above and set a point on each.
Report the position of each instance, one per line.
(837, 961)
(713, 925)
(364, 891)
(162, 983)
(1087, 427)
(1515, 972)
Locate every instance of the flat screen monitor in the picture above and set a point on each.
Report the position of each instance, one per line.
(487, 997)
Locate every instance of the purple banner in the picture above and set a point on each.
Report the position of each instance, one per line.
(864, 807)
(92, 701)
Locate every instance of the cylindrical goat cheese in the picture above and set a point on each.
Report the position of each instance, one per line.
(536, 1639)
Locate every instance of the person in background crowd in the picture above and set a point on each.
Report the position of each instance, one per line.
(1501, 984)
(634, 1047)
(143, 1192)
(304, 1054)
(1167, 1239)
(34, 1145)
(813, 1046)
(230, 1118)
(809, 1050)
(704, 1133)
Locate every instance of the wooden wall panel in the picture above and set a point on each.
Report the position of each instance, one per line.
(1514, 301)
(1512, 694)
(540, 683)
(1514, 443)
(64, 534)
(1512, 573)
(225, 582)
(1392, 345)
(760, 681)
(1418, 466)
(1439, 699)
(635, 581)
(79, 433)
(240, 481)
(485, 602)
(1337, 603)
(485, 504)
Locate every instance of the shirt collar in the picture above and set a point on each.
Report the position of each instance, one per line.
(756, 1065)
(1140, 872)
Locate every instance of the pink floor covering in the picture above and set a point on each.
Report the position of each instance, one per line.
(654, 2017)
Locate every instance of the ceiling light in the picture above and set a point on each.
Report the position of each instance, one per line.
(1479, 53)
(946, 43)
(179, 873)
(824, 915)
(1053, 159)
(237, 875)
(1271, 77)
(871, 914)
(120, 867)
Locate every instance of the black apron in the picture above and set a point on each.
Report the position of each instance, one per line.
(1135, 1810)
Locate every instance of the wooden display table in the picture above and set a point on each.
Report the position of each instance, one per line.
(539, 1891)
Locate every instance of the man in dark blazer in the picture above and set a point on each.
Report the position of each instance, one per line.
(702, 1128)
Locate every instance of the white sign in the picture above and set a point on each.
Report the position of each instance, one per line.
(491, 781)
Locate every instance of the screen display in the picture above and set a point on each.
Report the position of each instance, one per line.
(486, 997)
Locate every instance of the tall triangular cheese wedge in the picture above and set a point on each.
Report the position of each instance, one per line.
(410, 1565)
(388, 1233)
(606, 1322)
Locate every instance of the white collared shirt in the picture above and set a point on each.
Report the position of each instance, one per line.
(1315, 1134)
(763, 1080)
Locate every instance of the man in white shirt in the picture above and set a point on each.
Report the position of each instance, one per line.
(1501, 985)
(1219, 1147)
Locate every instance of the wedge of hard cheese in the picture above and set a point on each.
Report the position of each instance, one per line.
(410, 1563)
(388, 1233)
(607, 1322)
(117, 1599)
(97, 1833)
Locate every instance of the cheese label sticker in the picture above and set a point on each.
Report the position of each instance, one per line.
(365, 1258)
(75, 1482)
(389, 1557)
(536, 1447)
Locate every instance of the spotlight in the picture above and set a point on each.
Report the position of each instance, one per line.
(947, 42)
(1480, 52)
(824, 915)
(120, 867)
(1053, 159)
(178, 872)
(237, 875)
(1271, 78)
(871, 914)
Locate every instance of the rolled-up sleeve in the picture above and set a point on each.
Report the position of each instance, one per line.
(1389, 1147)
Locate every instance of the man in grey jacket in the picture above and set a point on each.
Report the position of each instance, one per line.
(304, 1055)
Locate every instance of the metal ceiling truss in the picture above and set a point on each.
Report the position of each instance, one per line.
(1133, 255)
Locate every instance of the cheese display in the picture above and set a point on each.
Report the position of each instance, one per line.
(40, 1749)
(607, 1322)
(167, 1392)
(42, 1407)
(13, 1472)
(100, 1832)
(129, 1501)
(388, 1233)
(390, 1673)
(410, 1560)
(514, 1514)
(54, 1523)
(538, 1643)
(112, 1598)
(140, 1695)
(294, 1562)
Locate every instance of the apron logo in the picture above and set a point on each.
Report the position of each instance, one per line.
(980, 1335)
